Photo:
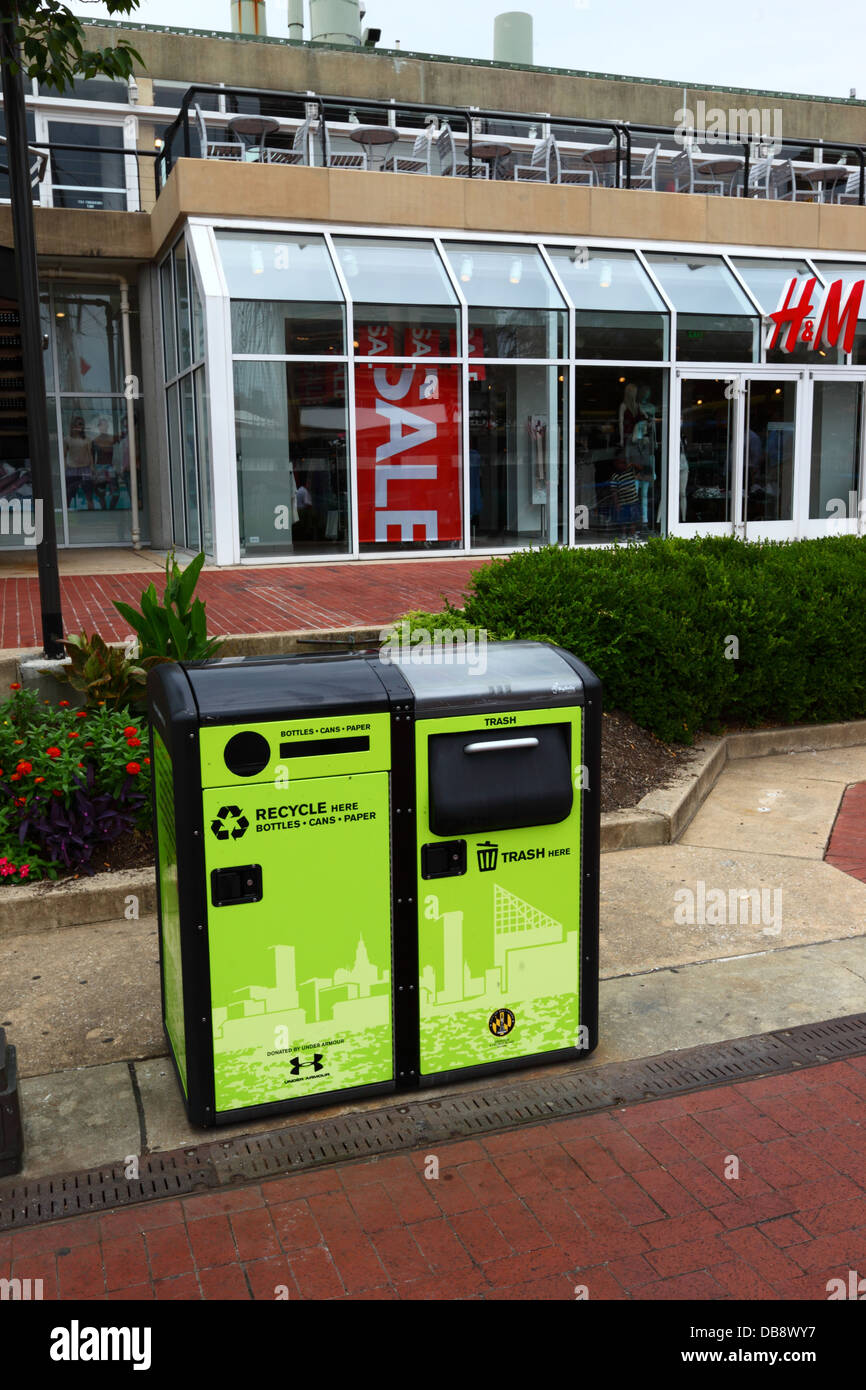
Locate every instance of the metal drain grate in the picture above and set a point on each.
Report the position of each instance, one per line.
(215, 1164)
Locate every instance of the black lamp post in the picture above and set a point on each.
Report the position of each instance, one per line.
(20, 185)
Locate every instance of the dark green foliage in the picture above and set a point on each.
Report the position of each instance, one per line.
(654, 622)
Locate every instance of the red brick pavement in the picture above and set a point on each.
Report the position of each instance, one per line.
(847, 847)
(275, 599)
(630, 1203)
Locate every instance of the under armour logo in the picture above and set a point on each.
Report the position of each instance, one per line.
(316, 1062)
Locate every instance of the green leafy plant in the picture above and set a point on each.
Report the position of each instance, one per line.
(52, 44)
(654, 622)
(175, 628)
(70, 779)
(104, 674)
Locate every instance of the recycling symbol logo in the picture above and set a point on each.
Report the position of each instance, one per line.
(230, 824)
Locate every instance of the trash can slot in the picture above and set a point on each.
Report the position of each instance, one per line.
(530, 784)
(501, 745)
(317, 747)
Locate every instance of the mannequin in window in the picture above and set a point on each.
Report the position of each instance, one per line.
(636, 437)
(79, 463)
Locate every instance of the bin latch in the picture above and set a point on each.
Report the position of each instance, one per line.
(230, 887)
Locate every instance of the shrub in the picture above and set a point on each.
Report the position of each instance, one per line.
(69, 780)
(654, 622)
(104, 674)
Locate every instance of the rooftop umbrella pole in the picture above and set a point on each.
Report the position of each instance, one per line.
(18, 158)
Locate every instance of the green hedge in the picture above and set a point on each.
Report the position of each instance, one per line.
(654, 623)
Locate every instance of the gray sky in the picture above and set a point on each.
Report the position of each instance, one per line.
(772, 45)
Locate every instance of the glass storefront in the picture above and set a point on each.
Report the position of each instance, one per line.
(88, 419)
(423, 393)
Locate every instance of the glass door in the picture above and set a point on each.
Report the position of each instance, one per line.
(735, 465)
(831, 491)
(705, 477)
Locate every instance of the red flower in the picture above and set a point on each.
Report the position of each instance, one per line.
(24, 870)
(64, 704)
(131, 731)
(56, 792)
(19, 742)
(82, 714)
(16, 777)
(21, 801)
(37, 780)
(24, 767)
(147, 761)
(89, 744)
(133, 743)
(15, 686)
(72, 735)
(53, 752)
(133, 769)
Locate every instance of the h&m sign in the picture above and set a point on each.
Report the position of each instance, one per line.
(817, 321)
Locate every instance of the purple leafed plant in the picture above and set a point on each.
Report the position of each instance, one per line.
(69, 834)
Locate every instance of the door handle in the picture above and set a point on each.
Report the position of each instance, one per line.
(501, 745)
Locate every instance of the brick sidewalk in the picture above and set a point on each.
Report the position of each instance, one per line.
(276, 599)
(630, 1203)
(847, 847)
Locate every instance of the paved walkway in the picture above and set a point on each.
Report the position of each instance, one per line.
(279, 598)
(636, 1203)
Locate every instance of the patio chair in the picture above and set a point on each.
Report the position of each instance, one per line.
(849, 192)
(421, 159)
(648, 172)
(763, 178)
(342, 161)
(544, 165)
(687, 179)
(300, 151)
(788, 189)
(448, 163)
(215, 149)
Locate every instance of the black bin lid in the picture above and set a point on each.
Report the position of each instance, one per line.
(244, 690)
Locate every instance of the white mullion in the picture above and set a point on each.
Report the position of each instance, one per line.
(352, 421)
(568, 422)
(463, 313)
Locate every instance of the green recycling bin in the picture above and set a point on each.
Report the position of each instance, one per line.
(374, 872)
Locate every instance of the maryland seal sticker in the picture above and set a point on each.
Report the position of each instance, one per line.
(501, 1022)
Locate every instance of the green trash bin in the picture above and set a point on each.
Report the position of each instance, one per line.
(506, 852)
(372, 873)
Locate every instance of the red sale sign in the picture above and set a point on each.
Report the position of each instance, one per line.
(409, 471)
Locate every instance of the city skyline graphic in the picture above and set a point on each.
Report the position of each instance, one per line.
(511, 954)
(347, 1016)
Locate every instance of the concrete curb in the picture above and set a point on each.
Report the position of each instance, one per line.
(102, 898)
(661, 816)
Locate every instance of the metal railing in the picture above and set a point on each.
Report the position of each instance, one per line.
(178, 142)
(126, 157)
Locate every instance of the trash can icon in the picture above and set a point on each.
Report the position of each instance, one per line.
(488, 853)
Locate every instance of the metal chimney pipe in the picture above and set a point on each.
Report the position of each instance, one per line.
(296, 20)
(512, 38)
(248, 17)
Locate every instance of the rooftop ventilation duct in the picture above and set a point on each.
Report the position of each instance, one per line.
(249, 17)
(512, 38)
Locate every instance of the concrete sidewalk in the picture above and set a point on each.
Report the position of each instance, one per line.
(690, 953)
